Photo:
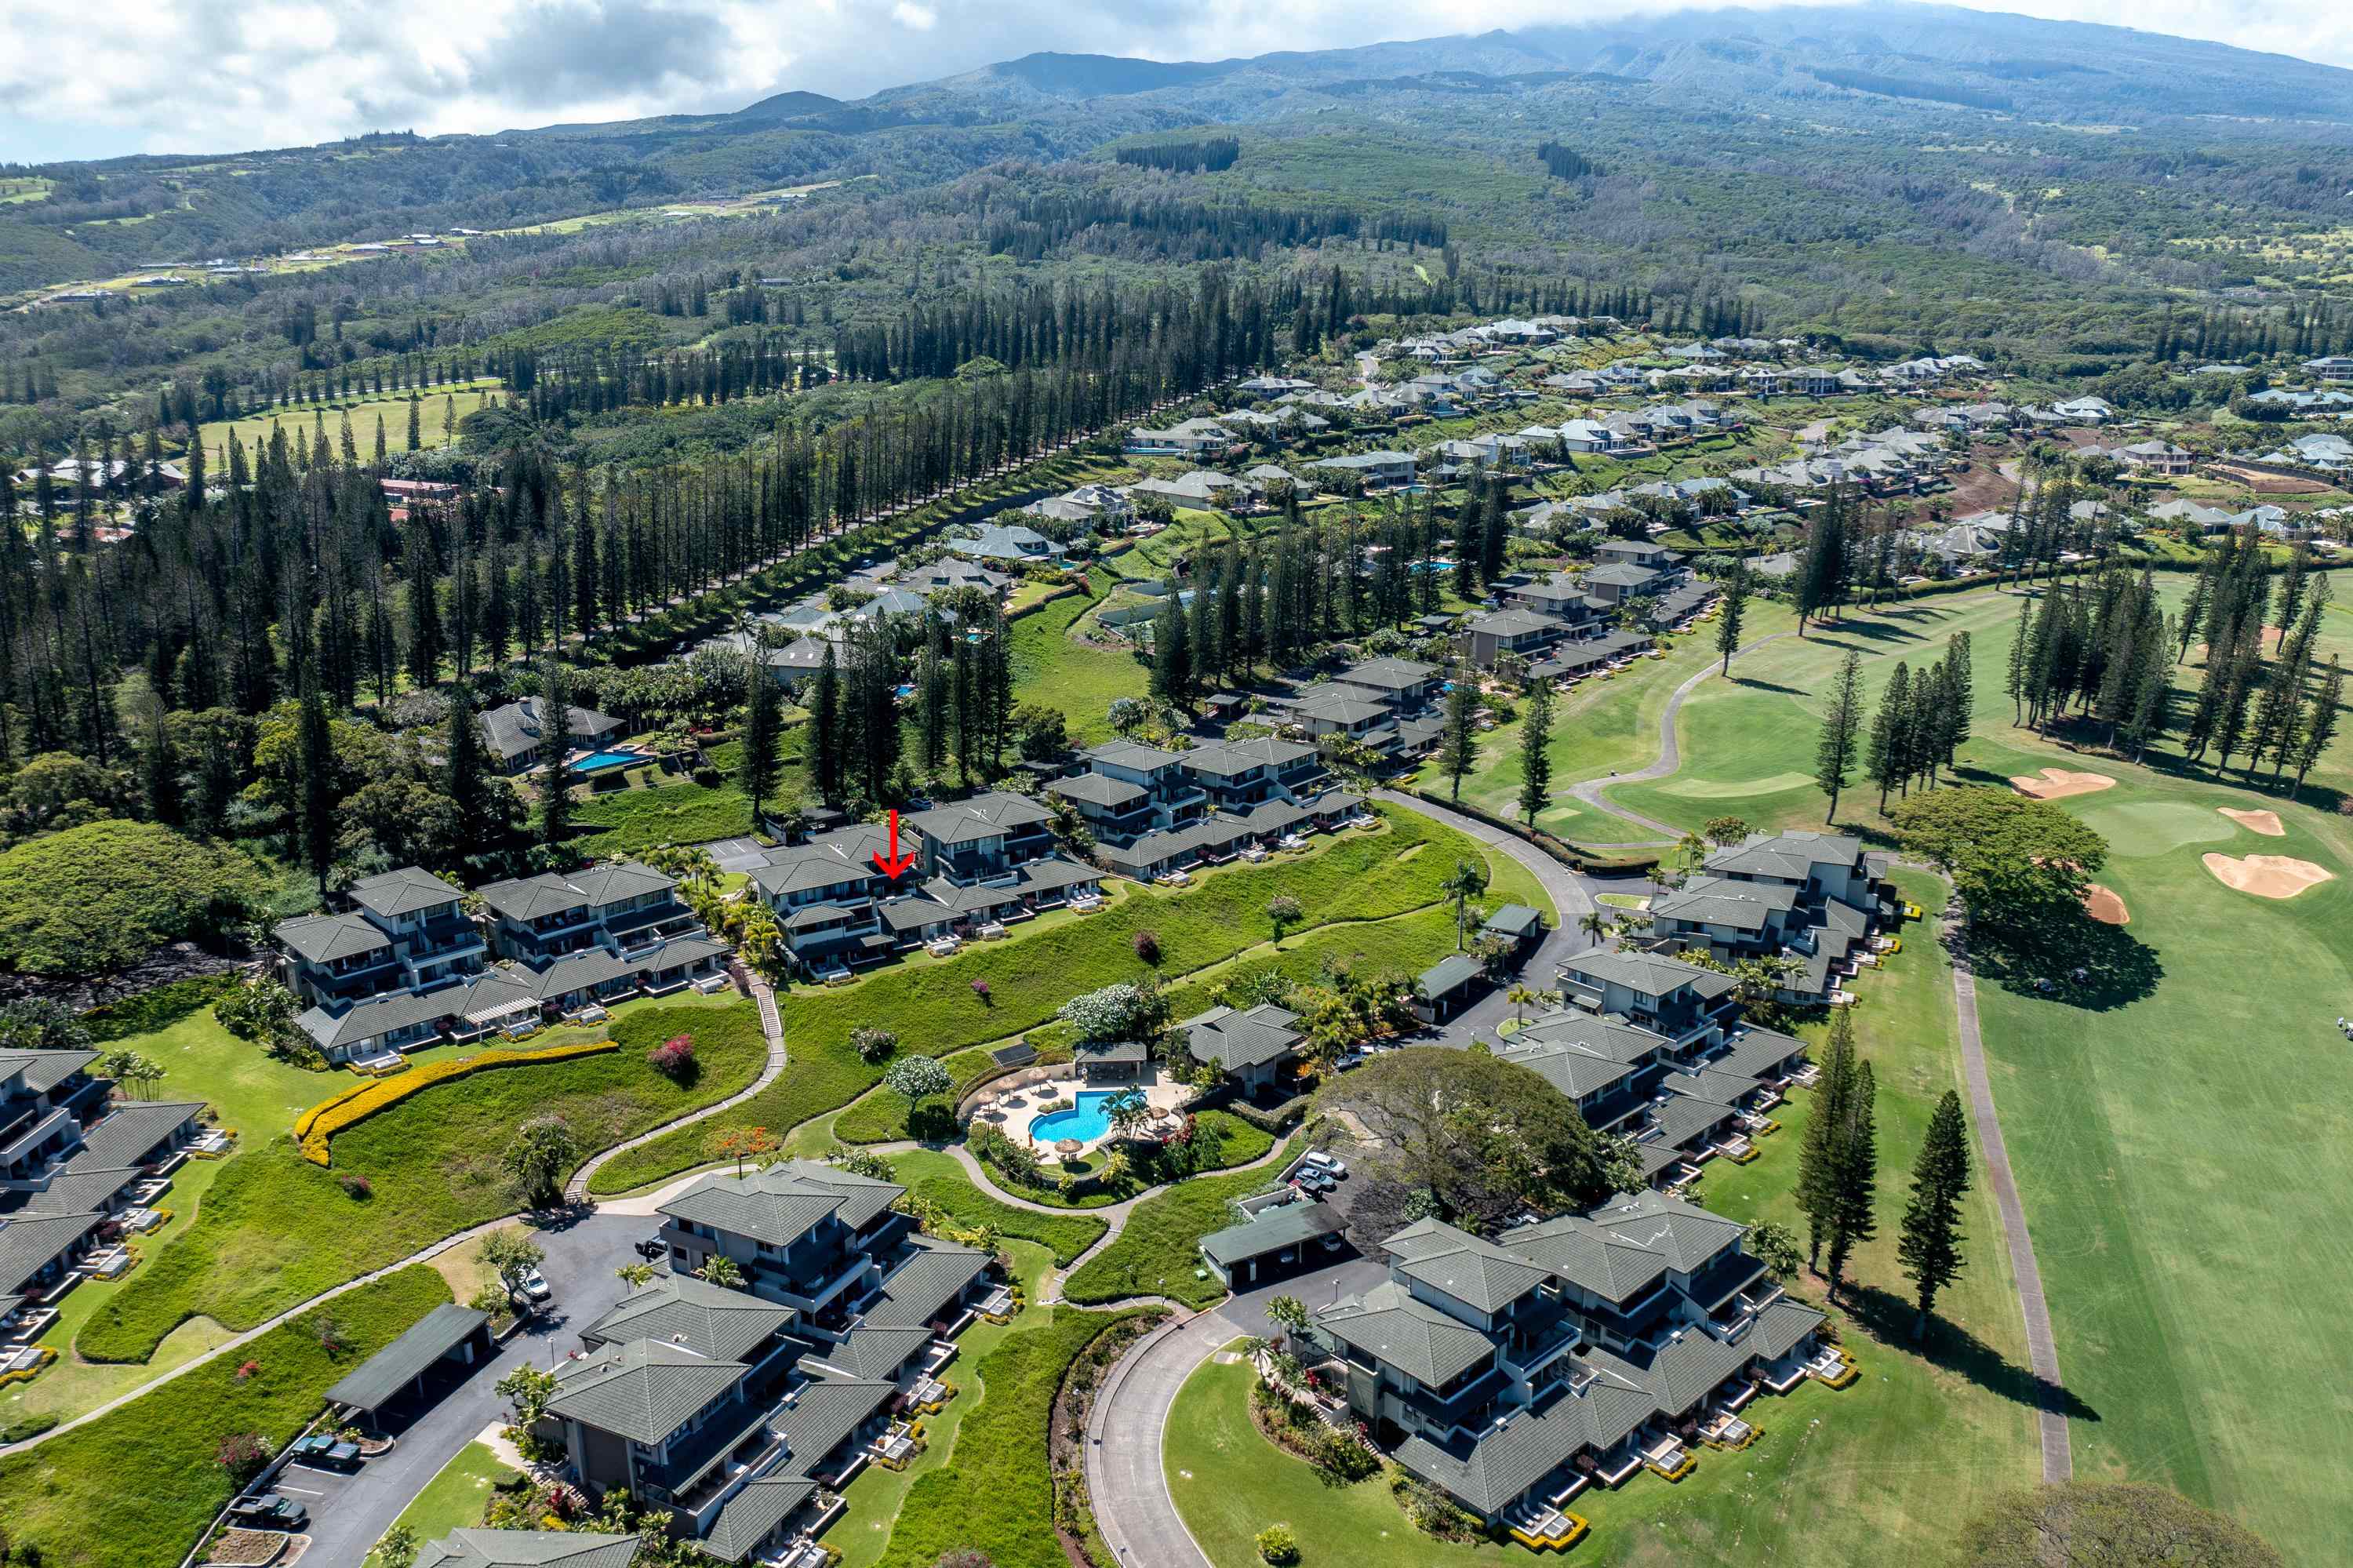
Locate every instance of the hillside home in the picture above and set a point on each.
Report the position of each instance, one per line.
(521, 733)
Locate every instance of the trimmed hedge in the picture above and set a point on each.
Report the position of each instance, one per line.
(314, 1127)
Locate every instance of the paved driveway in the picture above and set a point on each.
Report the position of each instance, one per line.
(581, 1259)
(737, 854)
(1124, 1477)
(1352, 1273)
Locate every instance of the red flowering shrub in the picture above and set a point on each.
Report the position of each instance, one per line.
(673, 1058)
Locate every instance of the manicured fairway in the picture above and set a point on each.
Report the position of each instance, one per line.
(2182, 1148)
(362, 411)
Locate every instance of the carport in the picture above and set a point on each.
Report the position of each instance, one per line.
(1254, 1253)
(439, 1349)
(1444, 987)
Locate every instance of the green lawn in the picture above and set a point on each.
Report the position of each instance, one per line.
(629, 822)
(996, 1492)
(1601, 727)
(136, 1486)
(2181, 1144)
(275, 1229)
(1156, 1253)
(362, 411)
(930, 1174)
(456, 1499)
(1349, 884)
(1878, 1472)
(1051, 667)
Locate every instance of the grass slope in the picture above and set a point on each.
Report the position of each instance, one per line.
(135, 1487)
(930, 1174)
(1155, 1253)
(996, 1494)
(275, 1229)
(933, 1007)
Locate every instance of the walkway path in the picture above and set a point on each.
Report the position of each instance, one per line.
(771, 1025)
(1127, 1480)
(2042, 1347)
(553, 1238)
(1671, 756)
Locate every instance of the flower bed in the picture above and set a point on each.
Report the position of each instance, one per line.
(315, 1128)
(43, 1356)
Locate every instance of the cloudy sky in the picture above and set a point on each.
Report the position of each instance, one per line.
(172, 76)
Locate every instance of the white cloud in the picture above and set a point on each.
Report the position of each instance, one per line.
(212, 75)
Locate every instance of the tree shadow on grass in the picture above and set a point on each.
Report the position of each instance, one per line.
(1769, 686)
(1864, 633)
(2069, 959)
(1949, 1347)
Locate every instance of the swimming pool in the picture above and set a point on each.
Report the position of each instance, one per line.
(606, 761)
(1087, 1121)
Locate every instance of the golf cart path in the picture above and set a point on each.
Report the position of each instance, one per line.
(1670, 756)
(2041, 1345)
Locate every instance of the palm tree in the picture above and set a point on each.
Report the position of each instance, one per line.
(1287, 1313)
(722, 1270)
(636, 1276)
(1519, 996)
(1693, 848)
(1594, 924)
(1466, 882)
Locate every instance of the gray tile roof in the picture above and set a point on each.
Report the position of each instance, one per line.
(404, 892)
(517, 726)
(323, 938)
(1757, 1050)
(1736, 905)
(1614, 1268)
(1271, 1230)
(820, 1413)
(988, 816)
(1417, 1338)
(1685, 1235)
(1648, 974)
(710, 1319)
(128, 1131)
(385, 1374)
(1225, 758)
(926, 1283)
(745, 1520)
(869, 1351)
(779, 1205)
(1479, 1274)
(1791, 856)
(1239, 1040)
(1097, 789)
(528, 1549)
(30, 1242)
(43, 1070)
(1449, 975)
(643, 1390)
(1493, 1470)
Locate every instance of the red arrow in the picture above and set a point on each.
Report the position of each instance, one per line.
(894, 865)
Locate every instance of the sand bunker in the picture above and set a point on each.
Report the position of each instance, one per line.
(2103, 904)
(2267, 875)
(2264, 822)
(2057, 784)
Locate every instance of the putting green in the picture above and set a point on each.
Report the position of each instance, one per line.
(2140, 828)
(1727, 789)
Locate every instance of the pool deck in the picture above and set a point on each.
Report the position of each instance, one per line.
(1014, 1111)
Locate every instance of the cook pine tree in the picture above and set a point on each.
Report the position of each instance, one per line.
(1834, 752)
(1536, 759)
(1928, 1250)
